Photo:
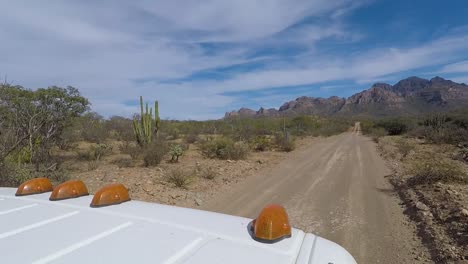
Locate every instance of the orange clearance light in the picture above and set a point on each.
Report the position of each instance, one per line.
(110, 194)
(272, 224)
(34, 186)
(69, 189)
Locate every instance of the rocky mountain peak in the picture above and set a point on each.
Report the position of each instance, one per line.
(411, 95)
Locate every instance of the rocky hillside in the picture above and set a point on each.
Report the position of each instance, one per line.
(409, 96)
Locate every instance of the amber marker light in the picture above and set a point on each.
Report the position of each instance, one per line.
(272, 224)
(69, 189)
(110, 194)
(34, 186)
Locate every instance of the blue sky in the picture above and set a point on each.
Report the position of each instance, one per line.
(201, 58)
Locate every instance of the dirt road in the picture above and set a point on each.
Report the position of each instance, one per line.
(335, 188)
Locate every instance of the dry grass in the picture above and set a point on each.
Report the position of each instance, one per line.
(179, 177)
(432, 168)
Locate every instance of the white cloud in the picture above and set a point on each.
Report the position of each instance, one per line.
(459, 67)
(114, 51)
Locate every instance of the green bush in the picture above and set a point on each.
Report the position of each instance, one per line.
(13, 174)
(436, 169)
(262, 143)
(224, 148)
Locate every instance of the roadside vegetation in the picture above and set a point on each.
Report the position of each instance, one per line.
(52, 133)
(429, 156)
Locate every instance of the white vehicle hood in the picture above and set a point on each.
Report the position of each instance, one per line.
(36, 230)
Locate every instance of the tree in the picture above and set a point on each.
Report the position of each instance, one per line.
(34, 120)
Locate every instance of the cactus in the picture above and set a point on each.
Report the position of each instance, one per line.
(157, 120)
(143, 128)
(436, 121)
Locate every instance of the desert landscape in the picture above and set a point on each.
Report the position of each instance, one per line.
(394, 184)
(298, 131)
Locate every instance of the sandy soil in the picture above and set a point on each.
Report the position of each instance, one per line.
(440, 210)
(150, 184)
(334, 187)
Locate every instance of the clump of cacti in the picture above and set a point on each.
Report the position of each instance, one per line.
(143, 128)
(436, 121)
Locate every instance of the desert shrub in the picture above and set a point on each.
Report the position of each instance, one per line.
(20, 156)
(208, 173)
(13, 174)
(404, 147)
(95, 152)
(394, 126)
(376, 133)
(131, 149)
(154, 153)
(285, 142)
(175, 151)
(120, 128)
(239, 151)
(331, 128)
(100, 150)
(432, 169)
(85, 155)
(191, 138)
(179, 177)
(224, 148)
(461, 154)
(262, 143)
(93, 128)
(447, 135)
(68, 139)
(367, 126)
(216, 148)
(172, 133)
(124, 162)
(420, 132)
(92, 165)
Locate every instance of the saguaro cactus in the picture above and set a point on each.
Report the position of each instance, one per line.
(143, 128)
(157, 120)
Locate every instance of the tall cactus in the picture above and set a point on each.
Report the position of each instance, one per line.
(157, 120)
(143, 128)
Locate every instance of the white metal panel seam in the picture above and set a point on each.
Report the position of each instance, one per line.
(155, 221)
(81, 244)
(36, 225)
(188, 250)
(18, 209)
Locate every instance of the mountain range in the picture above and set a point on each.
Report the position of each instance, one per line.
(409, 96)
